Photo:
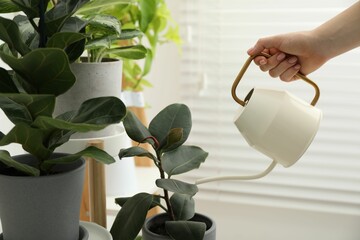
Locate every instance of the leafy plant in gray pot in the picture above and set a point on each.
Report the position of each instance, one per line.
(166, 133)
(37, 48)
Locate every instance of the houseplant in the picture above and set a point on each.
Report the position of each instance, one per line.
(166, 134)
(37, 48)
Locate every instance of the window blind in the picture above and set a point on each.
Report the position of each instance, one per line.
(217, 34)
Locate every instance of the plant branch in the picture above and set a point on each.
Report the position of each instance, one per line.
(166, 193)
(42, 27)
(33, 24)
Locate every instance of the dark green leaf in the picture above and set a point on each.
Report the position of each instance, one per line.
(64, 39)
(74, 25)
(57, 16)
(91, 152)
(27, 31)
(6, 83)
(29, 7)
(177, 186)
(24, 108)
(31, 139)
(180, 230)
(173, 116)
(10, 34)
(6, 159)
(131, 217)
(47, 70)
(122, 200)
(183, 206)
(135, 129)
(183, 159)
(148, 10)
(129, 52)
(136, 151)
(7, 6)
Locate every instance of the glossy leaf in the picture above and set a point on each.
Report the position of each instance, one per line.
(189, 230)
(10, 34)
(131, 217)
(122, 200)
(29, 7)
(64, 39)
(129, 34)
(136, 151)
(31, 139)
(23, 108)
(174, 137)
(105, 24)
(27, 31)
(183, 206)
(173, 116)
(135, 129)
(183, 159)
(57, 16)
(6, 159)
(177, 186)
(129, 52)
(6, 83)
(7, 6)
(90, 152)
(95, 5)
(34, 69)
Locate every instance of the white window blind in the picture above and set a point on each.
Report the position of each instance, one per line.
(217, 35)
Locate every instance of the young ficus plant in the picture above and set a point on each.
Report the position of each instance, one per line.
(166, 133)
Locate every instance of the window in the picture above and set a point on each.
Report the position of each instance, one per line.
(217, 35)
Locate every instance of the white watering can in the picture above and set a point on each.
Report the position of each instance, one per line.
(274, 122)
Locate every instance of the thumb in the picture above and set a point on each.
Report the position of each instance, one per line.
(265, 43)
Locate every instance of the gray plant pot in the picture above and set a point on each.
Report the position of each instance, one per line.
(159, 219)
(41, 208)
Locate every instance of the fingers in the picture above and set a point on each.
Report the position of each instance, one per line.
(279, 65)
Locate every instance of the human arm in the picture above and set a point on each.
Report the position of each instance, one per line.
(308, 50)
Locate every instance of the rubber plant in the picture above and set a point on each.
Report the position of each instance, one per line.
(39, 47)
(166, 133)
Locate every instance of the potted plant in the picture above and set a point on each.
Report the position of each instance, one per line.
(37, 201)
(166, 133)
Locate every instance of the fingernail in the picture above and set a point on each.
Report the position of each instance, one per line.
(263, 62)
(292, 60)
(250, 50)
(281, 57)
(297, 66)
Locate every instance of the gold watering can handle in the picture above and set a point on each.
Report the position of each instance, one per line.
(245, 67)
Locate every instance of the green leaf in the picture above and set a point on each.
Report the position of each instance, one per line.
(6, 159)
(136, 151)
(105, 24)
(183, 206)
(95, 5)
(7, 6)
(173, 116)
(10, 34)
(64, 39)
(129, 34)
(135, 129)
(31, 139)
(129, 52)
(27, 31)
(174, 137)
(29, 7)
(23, 108)
(189, 230)
(183, 159)
(177, 186)
(57, 16)
(122, 200)
(148, 62)
(74, 25)
(131, 217)
(47, 70)
(148, 11)
(6, 83)
(90, 152)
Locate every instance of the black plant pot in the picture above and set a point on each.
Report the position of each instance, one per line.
(41, 208)
(158, 222)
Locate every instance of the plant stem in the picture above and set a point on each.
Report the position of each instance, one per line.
(166, 193)
(42, 27)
